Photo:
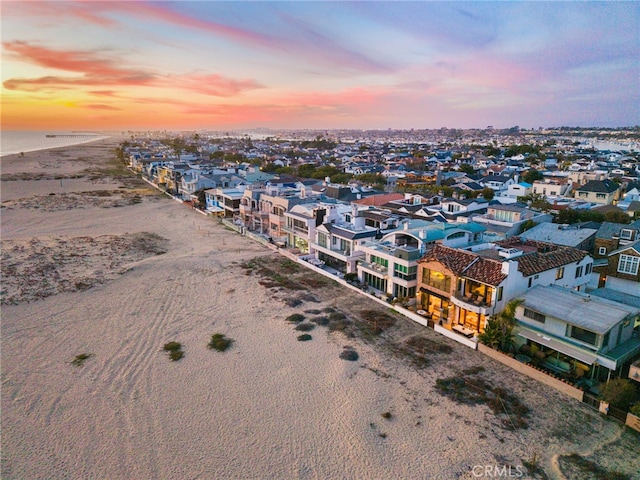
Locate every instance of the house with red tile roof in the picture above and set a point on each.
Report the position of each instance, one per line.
(461, 289)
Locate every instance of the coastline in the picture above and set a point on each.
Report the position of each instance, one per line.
(28, 142)
(270, 406)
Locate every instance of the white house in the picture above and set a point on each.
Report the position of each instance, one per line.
(576, 334)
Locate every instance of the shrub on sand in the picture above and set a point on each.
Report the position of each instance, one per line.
(176, 355)
(349, 354)
(79, 360)
(295, 318)
(219, 342)
(172, 346)
(305, 337)
(305, 327)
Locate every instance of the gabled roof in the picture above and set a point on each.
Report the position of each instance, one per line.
(632, 246)
(467, 264)
(609, 229)
(599, 186)
(381, 199)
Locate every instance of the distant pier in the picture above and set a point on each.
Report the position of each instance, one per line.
(70, 135)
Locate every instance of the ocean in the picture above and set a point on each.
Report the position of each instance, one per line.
(16, 141)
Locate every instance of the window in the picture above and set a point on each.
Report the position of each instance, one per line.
(588, 268)
(559, 273)
(605, 340)
(322, 239)
(602, 251)
(436, 280)
(379, 260)
(628, 264)
(601, 195)
(538, 317)
(530, 282)
(406, 273)
(499, 295)
(579, 272)
(581, 334)
(626, 234)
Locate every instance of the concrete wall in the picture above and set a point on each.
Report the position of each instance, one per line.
(532, 372)
(633, 421)
(458, 338)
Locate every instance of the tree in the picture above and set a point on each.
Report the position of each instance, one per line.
(617, 217)
(532, 175)
(527, 225)
(178, 144)
(498, 332)
(536, 201)
(488, 193)
(467, 168)
(619, 392)
(202, 200)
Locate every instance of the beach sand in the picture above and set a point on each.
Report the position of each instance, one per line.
(118, 274)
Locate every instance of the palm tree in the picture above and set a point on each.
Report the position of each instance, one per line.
(499, 330)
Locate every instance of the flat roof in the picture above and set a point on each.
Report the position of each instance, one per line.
(593, 313)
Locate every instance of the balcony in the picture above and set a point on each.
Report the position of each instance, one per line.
(374, 268)
(301, 232)
(472, 303)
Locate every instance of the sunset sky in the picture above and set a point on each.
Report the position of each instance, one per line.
(225, 65)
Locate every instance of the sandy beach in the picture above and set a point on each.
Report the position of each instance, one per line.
(95, 262)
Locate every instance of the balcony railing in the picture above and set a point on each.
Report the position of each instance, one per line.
(473, 300)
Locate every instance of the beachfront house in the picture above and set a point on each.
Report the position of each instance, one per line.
(582, 337)
(336, 241)
(390, 265)
(461, 289)
(224, 202)
(303, 219)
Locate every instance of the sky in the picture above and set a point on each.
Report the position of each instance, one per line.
(319, 65)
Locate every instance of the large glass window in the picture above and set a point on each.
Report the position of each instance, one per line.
(375, 282)
(628, 264)
(538, 317)
(406, 273)
(436, 280)
(379, 260)
(322, 239)
(581, 334)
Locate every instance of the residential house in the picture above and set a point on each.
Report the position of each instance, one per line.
(574, 236)
(602, 192)
(303, 219)
(505, 221)
(622, 270)
(275, 206)
(224, 201)
(632, 195)
(611, 236)
(582, 337)
(390, 264)
(463, 288)
(336, 241)
(515, 190)
(497, 182)
(551, 187)
(195, 180)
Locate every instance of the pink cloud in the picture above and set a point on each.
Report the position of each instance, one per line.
(101, 106)
(214, 85)
(99, 71)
